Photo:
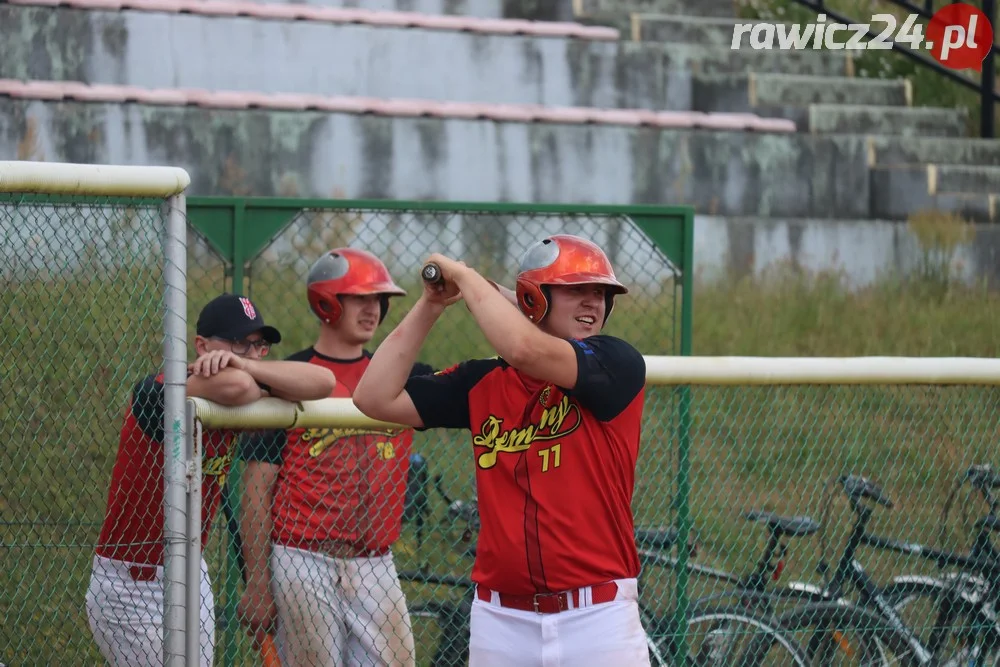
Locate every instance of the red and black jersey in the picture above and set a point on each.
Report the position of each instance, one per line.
(555, 467)
(344, 484)
(133, 524)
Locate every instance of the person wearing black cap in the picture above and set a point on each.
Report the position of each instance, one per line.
(125, 596)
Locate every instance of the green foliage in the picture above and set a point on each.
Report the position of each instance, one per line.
(789, 313)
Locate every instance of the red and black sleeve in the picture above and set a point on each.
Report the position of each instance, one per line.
(442, 398)
(148, 405)
(610, 374)
(421, 368)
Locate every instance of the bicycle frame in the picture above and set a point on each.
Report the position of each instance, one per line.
(983, 559)
(752, 587)
(980, 569)
(850, 571)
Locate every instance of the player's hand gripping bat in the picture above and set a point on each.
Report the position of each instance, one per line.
(431, 273)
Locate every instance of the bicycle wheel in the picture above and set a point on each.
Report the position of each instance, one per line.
(723, 636)
(948, 614)
(441, 633)
(834, 633)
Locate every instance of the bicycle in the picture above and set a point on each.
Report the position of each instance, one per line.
(882, 635)
(967, 599)
(452, 617)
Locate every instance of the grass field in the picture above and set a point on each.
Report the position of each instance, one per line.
(76, 345)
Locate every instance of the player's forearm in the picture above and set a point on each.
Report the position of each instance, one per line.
(387, 372)
(510, 333)
(257, 555)
(293, 380)
(230, 386)
(507, 293)
(256, 526)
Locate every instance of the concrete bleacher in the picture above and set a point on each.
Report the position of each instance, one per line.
(157, 49)
(722, 171)
(603, 101)
(74, 91)
(338, 15)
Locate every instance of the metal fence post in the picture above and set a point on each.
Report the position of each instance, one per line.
(683, 501)
(229, 627)
(175, 433)
(194, 499)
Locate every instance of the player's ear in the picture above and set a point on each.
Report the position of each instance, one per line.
(200, 345)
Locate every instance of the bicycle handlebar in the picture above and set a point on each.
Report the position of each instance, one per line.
(857, 487)
(982, 477)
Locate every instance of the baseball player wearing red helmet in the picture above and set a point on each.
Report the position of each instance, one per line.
(125, 598)
(556, 423)
(323, 506)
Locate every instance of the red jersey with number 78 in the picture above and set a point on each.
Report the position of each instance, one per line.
(555, 467)
(346, 484)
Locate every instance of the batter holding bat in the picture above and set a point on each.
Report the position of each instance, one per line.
(125, 597)
(556, 423)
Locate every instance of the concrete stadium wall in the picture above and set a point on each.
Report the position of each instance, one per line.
(784, 197)
(154, 50)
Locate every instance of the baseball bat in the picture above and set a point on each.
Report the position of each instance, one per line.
(431, 273)
(269, 652)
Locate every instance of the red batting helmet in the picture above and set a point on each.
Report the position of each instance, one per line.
(563, 259)
(348, 271)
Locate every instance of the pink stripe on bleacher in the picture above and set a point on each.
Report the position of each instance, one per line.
(99, 93)
(344, 15)
(400, 108)
(514, 113)
(160, 96)
(467, 110)
(111, 5)
(43, 90)
(12, 88)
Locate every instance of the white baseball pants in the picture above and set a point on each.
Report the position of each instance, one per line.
(590, 636)
(126, 613)
(336, 612)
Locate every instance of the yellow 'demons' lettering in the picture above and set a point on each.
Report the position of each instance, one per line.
(323, 438)
(554, 423)
(217, 466)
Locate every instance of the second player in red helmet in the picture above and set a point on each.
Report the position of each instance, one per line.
(556, 421)
(323, 506)
(348, 271)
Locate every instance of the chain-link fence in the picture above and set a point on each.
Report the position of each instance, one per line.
(82, 300)
(780, 477)
(438, 531)
(877, 496)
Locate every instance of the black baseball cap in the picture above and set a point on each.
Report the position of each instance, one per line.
(234, 317)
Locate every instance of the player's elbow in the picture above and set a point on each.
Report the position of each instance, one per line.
(374, 402)
(368, 403)
(236, 388)
(327, 382)
(316, 382)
